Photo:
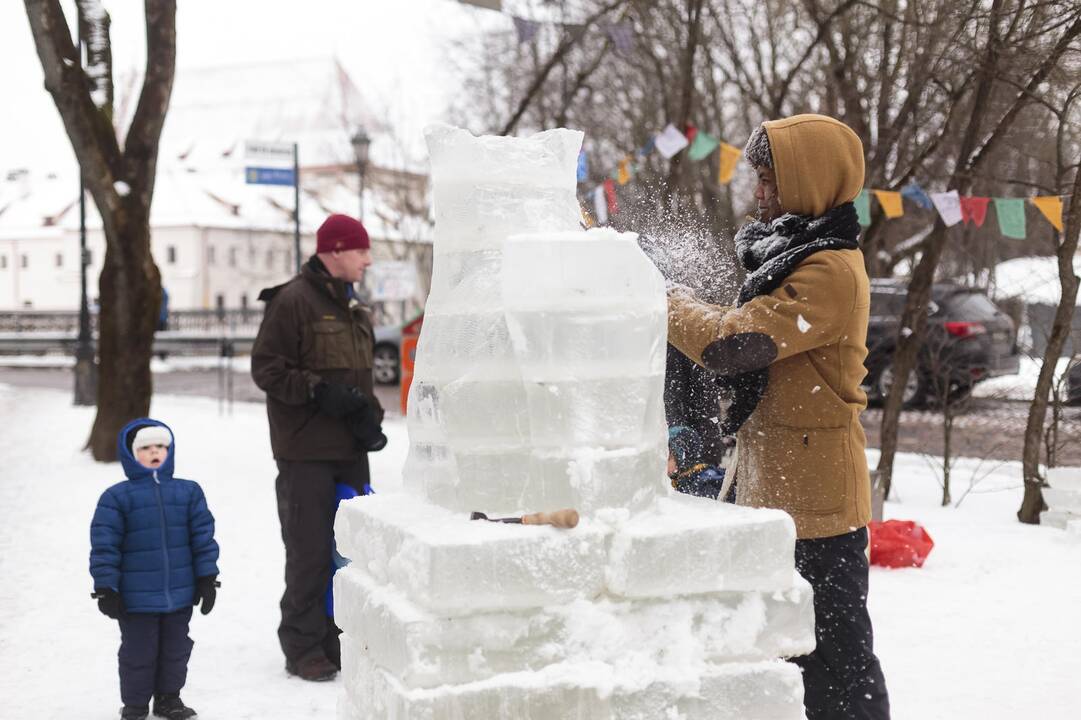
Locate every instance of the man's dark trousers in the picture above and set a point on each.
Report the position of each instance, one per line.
(154, 652)
(842, 679)
(306, 510)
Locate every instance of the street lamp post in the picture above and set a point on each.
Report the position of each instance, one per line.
(86, 374)
(361, 144)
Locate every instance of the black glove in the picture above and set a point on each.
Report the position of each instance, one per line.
(367, 429)
(206, 591)
(338, 400)
(109, 602)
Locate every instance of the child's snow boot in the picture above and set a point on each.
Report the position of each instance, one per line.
(134, 712)
(172, 707)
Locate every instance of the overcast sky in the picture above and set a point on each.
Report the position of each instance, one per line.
(395, 51)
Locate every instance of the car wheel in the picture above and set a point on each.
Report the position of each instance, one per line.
(915, 390)
(385, 368)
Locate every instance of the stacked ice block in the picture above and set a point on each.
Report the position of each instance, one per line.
(539, 385)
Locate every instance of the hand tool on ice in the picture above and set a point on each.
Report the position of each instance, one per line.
(560, 518)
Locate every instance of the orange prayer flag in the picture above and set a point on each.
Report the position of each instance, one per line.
(623, 174)
(1051, 207)
(890, 202)
(730, 155)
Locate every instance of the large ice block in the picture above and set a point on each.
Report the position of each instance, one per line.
(504, 480)
(680, 546)
(539, 377)
(425, 649)
(447, 563)
(633, 690)
(686, 544)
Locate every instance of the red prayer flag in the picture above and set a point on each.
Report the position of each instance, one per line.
(690, 132)
(610, 195)
(974, 209)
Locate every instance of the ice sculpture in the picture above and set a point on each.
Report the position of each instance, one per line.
(539, 385)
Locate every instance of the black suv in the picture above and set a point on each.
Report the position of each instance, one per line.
(968, 340)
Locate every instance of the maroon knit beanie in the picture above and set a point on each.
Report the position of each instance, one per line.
(341, 232)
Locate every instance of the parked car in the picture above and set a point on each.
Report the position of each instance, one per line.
(1073, 383)
(386, 354)
(968, 341)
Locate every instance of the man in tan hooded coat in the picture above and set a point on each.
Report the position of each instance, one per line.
(791, 354)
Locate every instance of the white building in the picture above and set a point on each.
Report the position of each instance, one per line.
(216, 240)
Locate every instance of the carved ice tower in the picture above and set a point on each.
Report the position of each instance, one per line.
(539, 385)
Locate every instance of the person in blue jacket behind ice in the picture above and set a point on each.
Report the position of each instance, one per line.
(152, 556)
(337, 560)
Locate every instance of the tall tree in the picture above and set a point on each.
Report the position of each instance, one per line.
(119, 174)
(1065, 250)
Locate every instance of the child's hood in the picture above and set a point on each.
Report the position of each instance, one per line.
(132, 467)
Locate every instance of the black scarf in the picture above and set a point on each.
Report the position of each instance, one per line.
(770, 252)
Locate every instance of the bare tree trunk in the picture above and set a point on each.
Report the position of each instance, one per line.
(122, 185)
(686, 102)
(1032, 504)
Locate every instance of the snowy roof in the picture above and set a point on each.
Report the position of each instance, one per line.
(200, 180)
(1033, 278)
(311, 102)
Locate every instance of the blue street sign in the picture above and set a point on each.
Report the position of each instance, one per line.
(269, 176)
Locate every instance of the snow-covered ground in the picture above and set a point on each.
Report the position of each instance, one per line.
(989, 628)
(1022, 385)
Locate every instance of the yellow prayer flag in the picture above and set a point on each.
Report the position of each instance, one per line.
(890, 202)
(1051, 207)
(623, 174)
(730, 156)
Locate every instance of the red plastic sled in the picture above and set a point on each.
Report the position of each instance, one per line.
(899, 544)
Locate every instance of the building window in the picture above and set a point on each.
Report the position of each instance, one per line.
(269, 259)
(24, 261)
(170, 254)
(3, 262)
(232, 257)
(60, 260)
(89, 258)
(210, 255)
(288, 262)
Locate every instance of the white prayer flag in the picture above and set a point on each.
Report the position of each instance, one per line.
(670, 141)
(600, 205)
(948, 205)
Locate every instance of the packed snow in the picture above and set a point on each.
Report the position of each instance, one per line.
(958, 638)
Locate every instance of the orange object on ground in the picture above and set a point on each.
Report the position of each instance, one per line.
(408, 355)
(899, 543)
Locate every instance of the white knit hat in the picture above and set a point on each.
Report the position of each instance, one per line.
(151, 435)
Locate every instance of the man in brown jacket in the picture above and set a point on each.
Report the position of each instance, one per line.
(313, 358)
(790, 353)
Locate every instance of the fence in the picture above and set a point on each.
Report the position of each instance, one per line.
(208, 322)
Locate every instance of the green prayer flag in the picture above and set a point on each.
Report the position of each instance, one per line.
(702, 146)
(863, 207)
(1011, 217)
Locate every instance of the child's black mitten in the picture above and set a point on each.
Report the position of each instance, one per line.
(206, 592)
(109, 602)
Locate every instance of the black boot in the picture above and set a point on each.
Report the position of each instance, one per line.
(172, 707)
(134, 712)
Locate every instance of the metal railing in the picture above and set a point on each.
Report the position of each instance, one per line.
(231, 320)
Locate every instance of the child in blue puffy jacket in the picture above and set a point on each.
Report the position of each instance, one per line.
(153, 557)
